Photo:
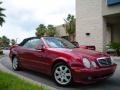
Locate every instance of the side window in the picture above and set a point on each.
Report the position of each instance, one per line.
(27, 44)
(35, 42)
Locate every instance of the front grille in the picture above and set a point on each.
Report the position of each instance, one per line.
(104, 61)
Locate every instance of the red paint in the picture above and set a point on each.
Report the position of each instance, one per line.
(43, 60)
(88, 47)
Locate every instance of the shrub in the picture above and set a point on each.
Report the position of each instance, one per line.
(115, 46)
(1, 52)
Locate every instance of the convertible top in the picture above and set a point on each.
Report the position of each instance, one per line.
(25, 40)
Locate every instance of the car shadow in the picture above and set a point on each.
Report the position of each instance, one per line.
(45, 79)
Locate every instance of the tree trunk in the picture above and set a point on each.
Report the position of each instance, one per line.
(71, 37)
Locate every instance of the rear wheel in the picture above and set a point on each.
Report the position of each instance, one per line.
(62, 74)
(15, 64)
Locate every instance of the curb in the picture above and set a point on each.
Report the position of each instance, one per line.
(115, 58)
(4, 69)
(1, 56)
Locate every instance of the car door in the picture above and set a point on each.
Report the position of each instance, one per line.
(37, 55)
(42, 58)
(32, 58)
(25, 54)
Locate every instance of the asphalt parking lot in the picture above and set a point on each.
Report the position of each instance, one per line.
(112, 83)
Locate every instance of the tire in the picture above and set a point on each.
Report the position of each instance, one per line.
(62, 74)
(15, 64)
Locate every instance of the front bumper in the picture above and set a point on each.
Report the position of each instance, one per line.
(87, 76)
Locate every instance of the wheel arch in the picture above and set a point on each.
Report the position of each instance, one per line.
(13, 57)
(54, 65)
(59, 61)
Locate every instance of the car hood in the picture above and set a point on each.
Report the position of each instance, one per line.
(81, 52)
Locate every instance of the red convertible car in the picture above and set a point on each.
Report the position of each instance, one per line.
(62, 60)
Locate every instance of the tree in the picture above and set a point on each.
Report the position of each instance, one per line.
(70, 27)
(51, 30)
(40, 31)
(5, 41)
(116, 46)
(1, 15)
(0, 41)
(13, 42)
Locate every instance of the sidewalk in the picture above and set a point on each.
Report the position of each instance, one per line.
(4, 69)
(115, 58)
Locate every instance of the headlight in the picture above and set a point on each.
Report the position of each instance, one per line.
(86, 63)
(93, 64)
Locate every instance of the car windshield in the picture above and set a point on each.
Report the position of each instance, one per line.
(55, 42)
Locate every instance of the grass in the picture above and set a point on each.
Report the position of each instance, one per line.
(11, 82)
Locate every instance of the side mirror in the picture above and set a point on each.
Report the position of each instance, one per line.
(40, 47)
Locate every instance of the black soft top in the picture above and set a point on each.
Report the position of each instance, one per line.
(26, 39)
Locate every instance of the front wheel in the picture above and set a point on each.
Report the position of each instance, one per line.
(62, 74)
(15, 64)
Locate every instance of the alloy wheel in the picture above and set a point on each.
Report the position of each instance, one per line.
(62, 75)
(15, 64)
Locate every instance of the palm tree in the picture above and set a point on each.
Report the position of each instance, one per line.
(51, 30)
(70, 26)
(40, 31)
(1, 15)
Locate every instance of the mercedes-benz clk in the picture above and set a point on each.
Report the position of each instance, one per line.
(63, 61)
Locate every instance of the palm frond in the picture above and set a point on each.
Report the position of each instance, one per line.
(2, 15)
(1, 21)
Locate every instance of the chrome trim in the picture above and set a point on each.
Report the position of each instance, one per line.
(104, 58)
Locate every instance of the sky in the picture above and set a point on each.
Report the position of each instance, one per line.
(24, 16)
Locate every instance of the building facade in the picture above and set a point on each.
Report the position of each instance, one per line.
(61, 32)
(97, 22)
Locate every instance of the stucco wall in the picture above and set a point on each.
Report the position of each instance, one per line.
(116, 33)
(108, 35)
(89, 20)
(61, 31)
